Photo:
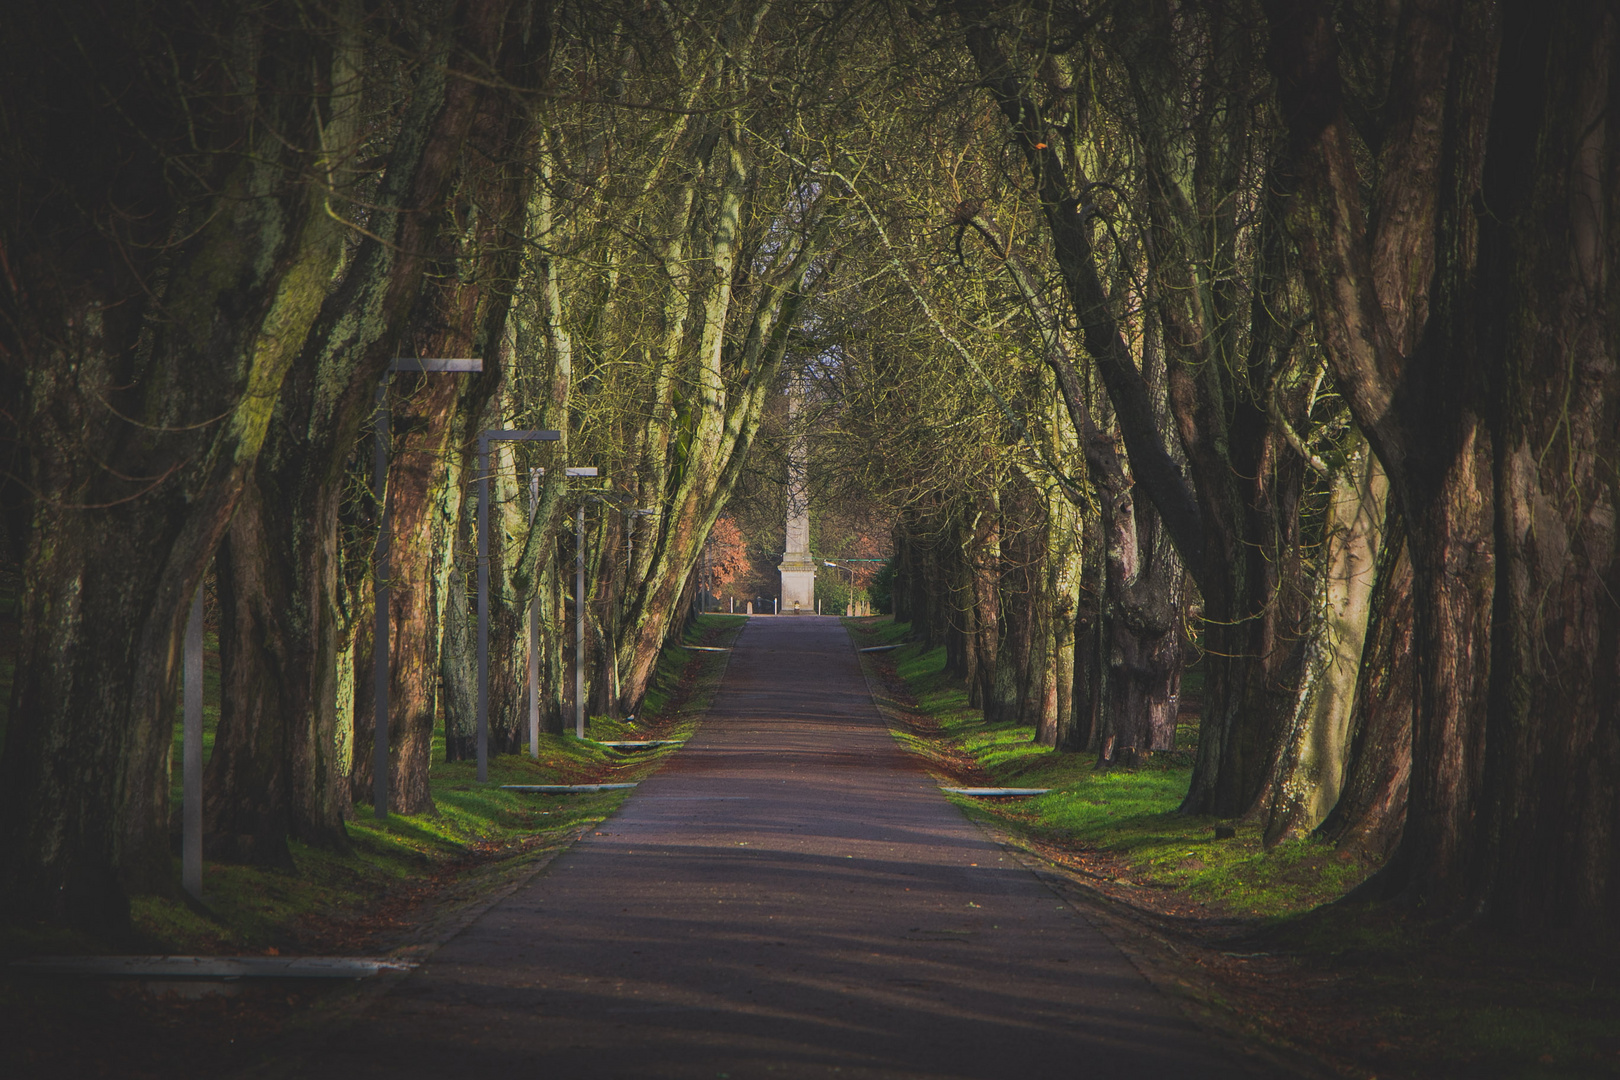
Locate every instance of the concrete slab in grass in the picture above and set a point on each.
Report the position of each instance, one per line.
(993, 792)
(211, 967)
(564, 789)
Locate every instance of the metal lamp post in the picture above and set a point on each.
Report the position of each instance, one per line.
(484, 439)
(850, 570)
(191, 752)
(191, 763)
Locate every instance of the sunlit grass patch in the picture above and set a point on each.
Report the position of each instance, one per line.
(1129, 814)
(1421, 1000)
(711, 629)
(475, 828)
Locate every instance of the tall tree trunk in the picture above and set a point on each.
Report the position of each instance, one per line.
(423, 409)
(1371, 810)
(155, 294)
(461, 313)
(1550, 259)
(1309, 776)
(319, 416)
(1396, 305)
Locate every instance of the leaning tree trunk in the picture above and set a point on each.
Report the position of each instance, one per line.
(723, 429)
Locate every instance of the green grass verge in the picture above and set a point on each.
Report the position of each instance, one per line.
(1128, 814)
(1397, 998)
(478, 835)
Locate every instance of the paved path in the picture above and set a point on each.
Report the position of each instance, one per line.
(788, 897)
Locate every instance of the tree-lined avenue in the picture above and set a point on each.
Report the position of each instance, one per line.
(789, 896)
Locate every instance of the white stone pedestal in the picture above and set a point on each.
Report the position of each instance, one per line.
(798, 587)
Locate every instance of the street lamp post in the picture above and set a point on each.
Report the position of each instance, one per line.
(484, 439)
(191, 752)
(850, 570)
(579, 620)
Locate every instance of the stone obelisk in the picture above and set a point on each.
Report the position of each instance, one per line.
(798, 570)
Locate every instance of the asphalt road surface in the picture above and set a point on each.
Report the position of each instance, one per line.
(790, 896)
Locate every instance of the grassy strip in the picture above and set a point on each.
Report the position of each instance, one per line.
(405, 885)
(1368, 990)
(372, 897)
(1128, 816)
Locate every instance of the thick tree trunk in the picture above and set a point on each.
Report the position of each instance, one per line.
(139, 430)
(1309, 776)
(320, 414)
(462, 313)
(1550, 256)
(1394, 290)
(251, 749)
(1371, 810)
(423, 409)
(1145, 652)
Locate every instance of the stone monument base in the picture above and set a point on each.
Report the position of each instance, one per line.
(798, 587)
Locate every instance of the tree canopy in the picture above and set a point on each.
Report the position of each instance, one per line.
(1268, 336)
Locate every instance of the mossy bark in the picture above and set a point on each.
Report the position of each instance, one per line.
(1368, 818)
(325, 404)
(1310, 773)
(154, 312)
